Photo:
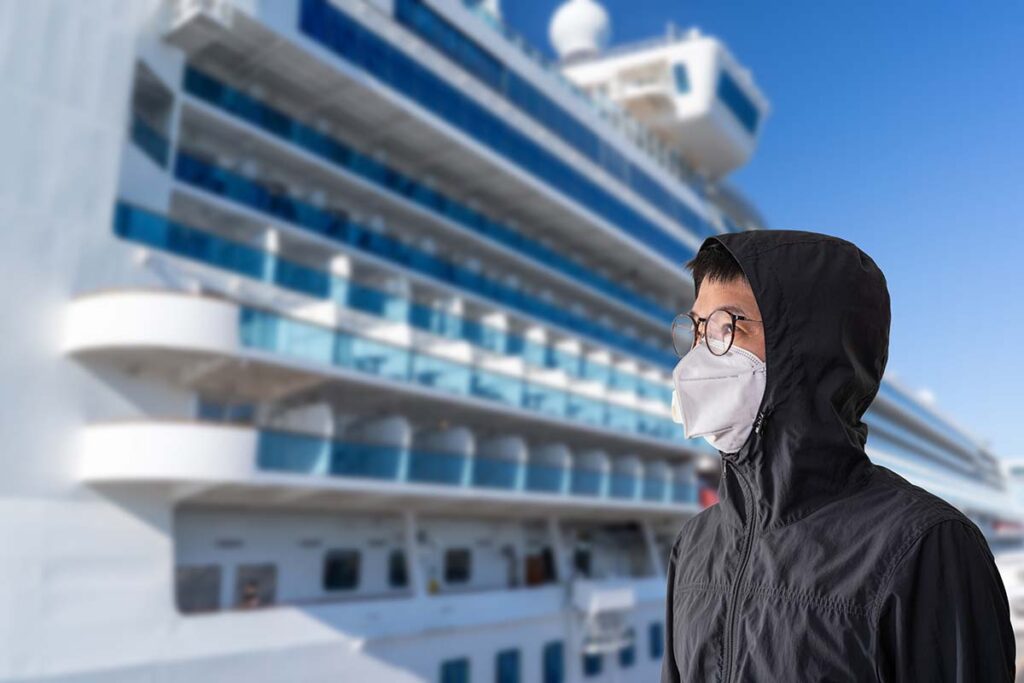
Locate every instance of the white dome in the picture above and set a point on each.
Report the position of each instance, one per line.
(579, 27)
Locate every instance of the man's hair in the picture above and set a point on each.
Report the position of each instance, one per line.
(713, 261)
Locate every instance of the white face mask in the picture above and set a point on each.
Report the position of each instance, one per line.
(717, 397)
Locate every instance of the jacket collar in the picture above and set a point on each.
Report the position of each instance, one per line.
(826, 309)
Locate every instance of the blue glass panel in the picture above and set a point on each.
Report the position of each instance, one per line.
(737, 101)
(378, 303)
(300, 278)
(623, 485)
(544, 399)
(621, 419)
(495, 472)
(684, 492)
(455, 671)
(651, 390)
(627, 656)
(545, 478)
(296, 453)
(436, 468)
(570, 362)
(554, 662)
(438, 373)
(605, 374)
(536, 354)
(681, 77)
(587, 482)
(152, 143)
(654, 488)
(497, 387)
(437, 322)
(377, 461)
(155, 231)
(592, 665)
(376, 358)
(656, 638)
(584, 409)
(507, 667)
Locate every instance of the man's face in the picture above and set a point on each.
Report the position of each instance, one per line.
(737, 297)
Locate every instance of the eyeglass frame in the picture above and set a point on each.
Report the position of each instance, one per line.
(695, 327)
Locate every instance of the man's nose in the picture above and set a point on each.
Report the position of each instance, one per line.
(699, 334)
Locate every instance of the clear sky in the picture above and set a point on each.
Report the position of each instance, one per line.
(900, 127)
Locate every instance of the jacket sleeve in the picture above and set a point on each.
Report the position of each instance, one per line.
(943, 614)
(669, 670)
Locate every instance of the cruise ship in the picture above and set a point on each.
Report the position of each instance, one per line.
(338, 340)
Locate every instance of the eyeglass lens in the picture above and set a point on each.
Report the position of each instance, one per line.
(718, 333)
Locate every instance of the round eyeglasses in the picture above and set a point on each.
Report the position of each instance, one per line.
(719, 330)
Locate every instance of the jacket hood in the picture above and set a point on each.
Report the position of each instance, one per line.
(826, 311)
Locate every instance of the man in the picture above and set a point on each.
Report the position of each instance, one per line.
(815, 564)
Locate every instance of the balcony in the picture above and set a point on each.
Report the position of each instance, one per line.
(238, 194)
(206, 463)
(238, 117)
(217, 347)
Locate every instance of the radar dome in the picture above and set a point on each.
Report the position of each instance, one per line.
(579, 28)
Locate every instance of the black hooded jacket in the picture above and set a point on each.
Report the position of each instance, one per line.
(816, 564)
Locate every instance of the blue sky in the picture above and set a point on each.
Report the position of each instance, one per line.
(900, 127)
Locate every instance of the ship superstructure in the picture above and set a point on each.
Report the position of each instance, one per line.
(340, 342)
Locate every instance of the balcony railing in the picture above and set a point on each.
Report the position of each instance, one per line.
(346, 158)
(303, 454)
(156, 231)
(339, 228)
(270, 332)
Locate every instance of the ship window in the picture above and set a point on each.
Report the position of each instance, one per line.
(152, 103)
(455, 671)
(627, 653)
(341, 569)
(657, 637)
(581, 561)
(554, 663)
(507, 667)
(398, 572)
(198, 588)
(681, 77)
(255, 585)
(456, 565)
(540, 567)
(737, 101)
(592, 665)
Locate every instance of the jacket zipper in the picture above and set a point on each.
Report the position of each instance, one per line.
(747, 546)
(759, 420)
